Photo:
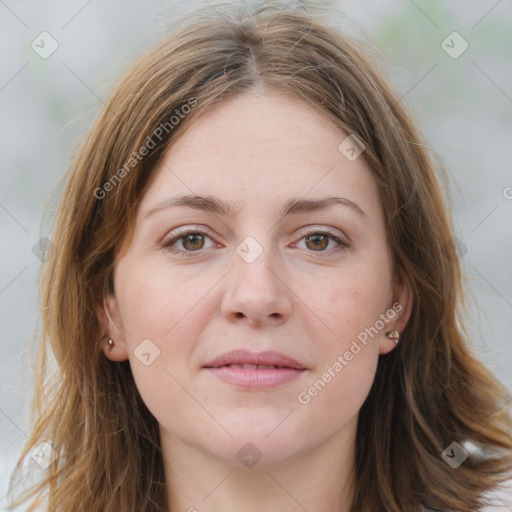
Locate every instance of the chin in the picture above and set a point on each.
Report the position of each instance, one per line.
(257, 448)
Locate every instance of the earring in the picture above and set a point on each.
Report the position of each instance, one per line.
(111, 344)
(393, 335)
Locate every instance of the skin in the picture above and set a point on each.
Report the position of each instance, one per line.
(257, 151)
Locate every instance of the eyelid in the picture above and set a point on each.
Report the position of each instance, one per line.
(183, 231)
(322, 229)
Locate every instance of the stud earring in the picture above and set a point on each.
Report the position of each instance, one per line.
(393, 335)
(111, 344)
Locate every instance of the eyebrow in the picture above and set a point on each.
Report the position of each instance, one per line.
(292, 207)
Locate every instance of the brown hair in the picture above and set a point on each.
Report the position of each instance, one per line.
(427, 393)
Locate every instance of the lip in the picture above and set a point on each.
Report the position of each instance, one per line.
(255, 378)
(266, 358)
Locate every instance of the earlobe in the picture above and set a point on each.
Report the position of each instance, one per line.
(401, 303)
(112, 342)
(114, 352)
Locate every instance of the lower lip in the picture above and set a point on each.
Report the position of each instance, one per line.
(256, 379)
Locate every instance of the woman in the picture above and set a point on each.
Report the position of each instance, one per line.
(255, 299)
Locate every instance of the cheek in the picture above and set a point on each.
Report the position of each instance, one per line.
(153, 301)
(349, 352)
(354, 301)
(162, 316)
(335, 397)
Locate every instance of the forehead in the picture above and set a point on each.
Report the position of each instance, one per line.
(260, 149)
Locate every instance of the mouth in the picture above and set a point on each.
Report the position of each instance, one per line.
(248, 370)
(252, 366)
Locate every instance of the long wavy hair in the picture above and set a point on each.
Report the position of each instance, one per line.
(428, 393)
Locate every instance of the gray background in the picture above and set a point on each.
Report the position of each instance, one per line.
(463, 105)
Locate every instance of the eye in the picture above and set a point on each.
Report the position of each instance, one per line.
(191, 241)
(318, 240)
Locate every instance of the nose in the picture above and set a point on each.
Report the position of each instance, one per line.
(257, 293)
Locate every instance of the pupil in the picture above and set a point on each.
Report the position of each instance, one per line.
(193, 239)
(318, 238)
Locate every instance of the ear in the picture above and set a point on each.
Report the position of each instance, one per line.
(400, 302)
(111, 327)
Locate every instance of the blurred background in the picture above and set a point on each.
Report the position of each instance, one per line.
(450, 60)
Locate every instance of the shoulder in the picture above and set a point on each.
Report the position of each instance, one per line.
(502, 501)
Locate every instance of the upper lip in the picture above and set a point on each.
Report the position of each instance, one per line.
(267, 358)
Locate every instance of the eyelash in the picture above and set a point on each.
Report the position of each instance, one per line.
(169, 242)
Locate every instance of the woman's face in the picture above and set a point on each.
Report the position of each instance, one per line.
(273, 263)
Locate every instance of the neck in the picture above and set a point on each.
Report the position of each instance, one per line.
(317, 480)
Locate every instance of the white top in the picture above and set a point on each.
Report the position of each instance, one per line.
(502, 498)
